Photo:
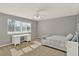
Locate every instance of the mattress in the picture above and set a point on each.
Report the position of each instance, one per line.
(56, 42)
(57, 37)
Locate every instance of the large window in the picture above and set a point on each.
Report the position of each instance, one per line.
(24, 27)
(11, 25)
(15, 26)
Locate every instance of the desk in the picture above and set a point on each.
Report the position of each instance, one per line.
(16, 38)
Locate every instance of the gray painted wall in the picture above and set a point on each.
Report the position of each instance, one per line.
(4, 37)
(62, 26)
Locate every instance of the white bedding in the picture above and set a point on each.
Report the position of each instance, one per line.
(56, 42)
(57, 37)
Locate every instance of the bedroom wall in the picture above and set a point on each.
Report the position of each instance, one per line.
(4, 37)
(62, 26)
(58, 26)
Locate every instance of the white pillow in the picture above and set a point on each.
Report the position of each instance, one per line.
(74, 38)
(69, 36)
(77, 35)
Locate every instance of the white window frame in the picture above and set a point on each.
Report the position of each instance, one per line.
(17, 32)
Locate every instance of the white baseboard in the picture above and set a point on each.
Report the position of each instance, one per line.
(5, 45)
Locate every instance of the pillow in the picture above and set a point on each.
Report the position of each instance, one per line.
(76, 33)
(74, 39)
(69, 37)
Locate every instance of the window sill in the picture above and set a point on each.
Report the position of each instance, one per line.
(14, 33)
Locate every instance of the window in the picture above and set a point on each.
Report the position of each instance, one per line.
(18, 26)
(28, 27)
(11, 25)
(24, 27)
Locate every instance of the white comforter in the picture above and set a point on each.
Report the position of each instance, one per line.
(56, 42)
(57, 37)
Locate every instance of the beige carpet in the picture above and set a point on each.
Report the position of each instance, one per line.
(45, 51)
(34, 46)
(15, 52)
(29, 49)
(38, 43)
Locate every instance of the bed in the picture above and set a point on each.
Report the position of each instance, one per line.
(55, 41)
(59, 41)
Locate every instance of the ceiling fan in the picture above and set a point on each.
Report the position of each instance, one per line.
(38, 15)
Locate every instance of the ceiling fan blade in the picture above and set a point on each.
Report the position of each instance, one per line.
(41, 9)
(38, 14)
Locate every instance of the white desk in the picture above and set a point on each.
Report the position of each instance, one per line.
(16, 38)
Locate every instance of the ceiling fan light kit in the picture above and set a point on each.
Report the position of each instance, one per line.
(37, 17)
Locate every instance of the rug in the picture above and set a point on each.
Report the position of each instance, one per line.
(27, 49)
(36, 42)
(35, 45)
(15, 52)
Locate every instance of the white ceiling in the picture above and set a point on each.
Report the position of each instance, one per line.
(50, 10)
